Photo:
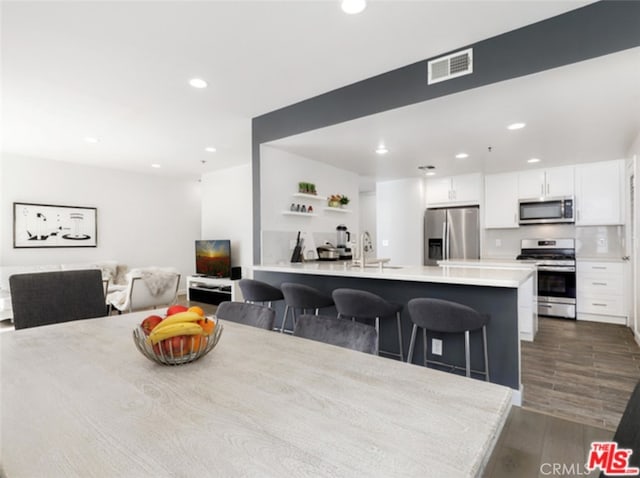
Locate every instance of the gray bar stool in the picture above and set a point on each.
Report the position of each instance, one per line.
(257, 291)
(302, 297)
(444, 316)
(360, 304)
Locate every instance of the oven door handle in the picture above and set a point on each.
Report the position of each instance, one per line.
(556, 269)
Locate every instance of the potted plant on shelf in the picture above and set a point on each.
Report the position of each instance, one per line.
(338, 200)
(334, 200)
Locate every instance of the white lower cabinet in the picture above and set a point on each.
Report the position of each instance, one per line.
(600, 292)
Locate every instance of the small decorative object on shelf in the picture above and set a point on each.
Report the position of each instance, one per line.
(310, 208)
(338, 200)
(307, 188)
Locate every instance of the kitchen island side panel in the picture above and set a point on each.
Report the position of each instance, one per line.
(500, 303)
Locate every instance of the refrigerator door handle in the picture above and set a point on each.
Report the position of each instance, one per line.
(444, 241)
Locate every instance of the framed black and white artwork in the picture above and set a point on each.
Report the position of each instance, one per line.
(45, 225)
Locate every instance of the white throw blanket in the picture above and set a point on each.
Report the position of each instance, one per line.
(157, 280)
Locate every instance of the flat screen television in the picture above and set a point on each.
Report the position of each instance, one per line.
(213, 258)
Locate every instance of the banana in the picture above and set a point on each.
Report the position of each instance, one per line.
(181, 328)
(177, 319)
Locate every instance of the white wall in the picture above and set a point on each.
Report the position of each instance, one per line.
(279, 177)
(400, 206)
(143, 220)
(227, 211)
(368, 217)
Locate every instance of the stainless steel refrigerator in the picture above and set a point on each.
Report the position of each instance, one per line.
(451, 233)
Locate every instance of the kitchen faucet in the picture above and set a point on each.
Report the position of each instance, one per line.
(365, 245)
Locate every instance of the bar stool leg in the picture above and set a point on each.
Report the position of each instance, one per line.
(425, 346)
(412, 342)
(467, 354)
(284, 319)
(486, 353)
(377, 330)
(400, 336)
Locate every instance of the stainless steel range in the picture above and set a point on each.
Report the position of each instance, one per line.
(556, 263)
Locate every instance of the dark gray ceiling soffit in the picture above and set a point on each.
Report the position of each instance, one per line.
(595, 30)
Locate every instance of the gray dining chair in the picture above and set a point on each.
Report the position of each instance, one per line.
(44, 298)
(447, 317)
(340, 332)
(247, 314)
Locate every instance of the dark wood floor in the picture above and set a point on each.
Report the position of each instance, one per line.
(533, 443)
(580, 371)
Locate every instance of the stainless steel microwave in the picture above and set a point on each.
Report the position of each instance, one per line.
(546, 210)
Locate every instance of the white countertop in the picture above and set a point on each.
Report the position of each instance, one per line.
(480, 276)
(599, 259)
(492, 263)
(80, 400)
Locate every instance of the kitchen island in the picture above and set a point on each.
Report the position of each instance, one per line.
(496, 292)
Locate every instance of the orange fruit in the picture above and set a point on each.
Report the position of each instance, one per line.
(208, 326)
(197, 310)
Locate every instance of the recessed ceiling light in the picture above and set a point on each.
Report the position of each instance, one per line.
(430, 173)
(382, 150)
(92, 140)
(462, 155)
(198, 83)
(210, 149)
(533, 160)
(155, 165)
(515, 126)
(353, 6)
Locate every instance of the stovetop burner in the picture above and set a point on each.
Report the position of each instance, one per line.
(546, 257)
(548, 250)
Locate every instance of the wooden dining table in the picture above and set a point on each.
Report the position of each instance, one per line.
(79, 400)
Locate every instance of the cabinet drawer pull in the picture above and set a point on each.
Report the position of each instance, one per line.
(599, 283)
(599, 305)
(603, 268)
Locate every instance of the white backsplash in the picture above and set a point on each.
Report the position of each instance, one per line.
(276, 245)
(606, 242)
(599, 241)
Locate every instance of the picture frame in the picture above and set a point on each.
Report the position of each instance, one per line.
(48, 225)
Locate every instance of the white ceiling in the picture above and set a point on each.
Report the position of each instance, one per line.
(588, 111)
(118, 70)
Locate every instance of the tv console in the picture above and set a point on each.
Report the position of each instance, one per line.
(210, 290)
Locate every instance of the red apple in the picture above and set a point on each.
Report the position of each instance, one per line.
(149, 323)
(175, 343)
(174, 309)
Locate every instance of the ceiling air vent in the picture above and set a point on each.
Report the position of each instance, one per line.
(450, 66)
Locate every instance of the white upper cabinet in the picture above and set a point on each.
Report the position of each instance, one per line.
(460, 190)
(501, 200)
(600, 193)
(551, 182)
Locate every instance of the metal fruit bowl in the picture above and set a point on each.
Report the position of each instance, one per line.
(166, 355)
